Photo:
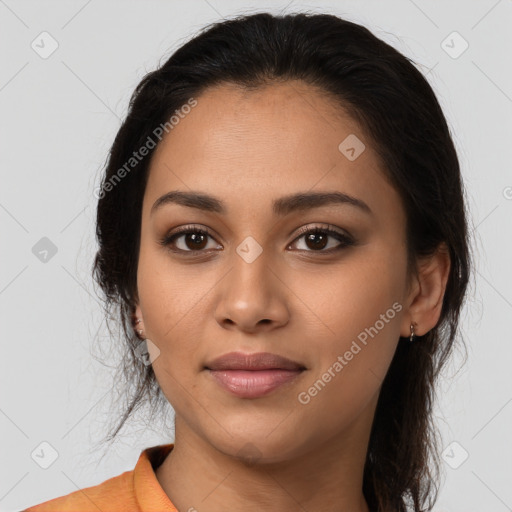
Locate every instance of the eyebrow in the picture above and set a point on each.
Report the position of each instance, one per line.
(283, 206)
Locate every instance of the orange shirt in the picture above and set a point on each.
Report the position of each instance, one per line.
(137, 490)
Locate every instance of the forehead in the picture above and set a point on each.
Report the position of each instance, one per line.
(249, 147)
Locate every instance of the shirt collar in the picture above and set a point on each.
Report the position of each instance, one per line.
(148, 491)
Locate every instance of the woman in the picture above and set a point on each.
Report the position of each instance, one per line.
(283, 233)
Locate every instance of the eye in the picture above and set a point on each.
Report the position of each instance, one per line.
(317, 239)
(195, 240)
(187, 239)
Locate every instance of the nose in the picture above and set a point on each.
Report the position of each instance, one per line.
(252, 298)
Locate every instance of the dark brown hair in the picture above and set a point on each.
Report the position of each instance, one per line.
(399, 112)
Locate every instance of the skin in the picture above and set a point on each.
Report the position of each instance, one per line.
(273, 452)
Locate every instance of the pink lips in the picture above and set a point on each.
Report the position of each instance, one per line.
(253, 375)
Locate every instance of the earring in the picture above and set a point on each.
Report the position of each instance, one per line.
(411, 337)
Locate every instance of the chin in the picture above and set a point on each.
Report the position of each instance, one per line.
(257, 447)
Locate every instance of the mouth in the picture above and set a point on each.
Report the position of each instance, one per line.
(253, 375)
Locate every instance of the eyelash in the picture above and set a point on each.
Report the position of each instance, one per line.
(345, 240)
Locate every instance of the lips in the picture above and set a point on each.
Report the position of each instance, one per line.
(253, 375)
(257, 361)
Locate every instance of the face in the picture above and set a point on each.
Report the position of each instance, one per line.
(245, 271)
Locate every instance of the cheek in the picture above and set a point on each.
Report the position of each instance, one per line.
(354, 354)
(169, 295)
(173, 303)
(358, 313)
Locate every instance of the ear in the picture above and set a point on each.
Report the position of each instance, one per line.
(138, 315)
(425, 300)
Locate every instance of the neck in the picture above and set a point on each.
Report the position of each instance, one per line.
(326, 476)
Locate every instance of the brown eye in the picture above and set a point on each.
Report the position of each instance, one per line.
(317, 239)
(195, 241)
(188, 239)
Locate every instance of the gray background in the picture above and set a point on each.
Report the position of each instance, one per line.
(58, 118)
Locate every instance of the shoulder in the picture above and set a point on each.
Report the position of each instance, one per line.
(114, 494)
(137, 490)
